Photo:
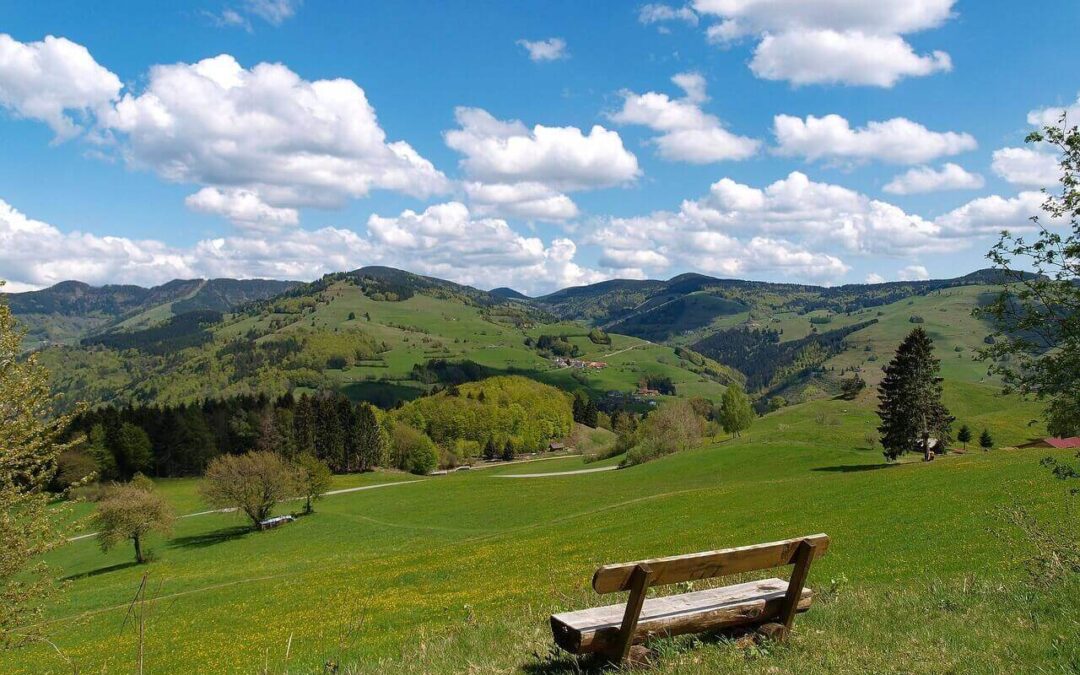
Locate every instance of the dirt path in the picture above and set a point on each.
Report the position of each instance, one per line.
(558, 473)
(325, 494)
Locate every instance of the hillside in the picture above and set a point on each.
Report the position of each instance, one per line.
(475, 562)
(376, 334)
(386, 335)
(70, 310)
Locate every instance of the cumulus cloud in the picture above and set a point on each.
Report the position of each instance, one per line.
(924, 179)
(242, 207)
(874, 278)
(896, 141)
(551, 49)
(687, 133)
(1027, 166)
(533, 201)
(913, 273)
(818, 214)
(518, 171)
(55, 81)
(267, 132)
(831, 57)
(444, 240)
(1051, 116)
(650, 245)
(831, 41)
(991, 215)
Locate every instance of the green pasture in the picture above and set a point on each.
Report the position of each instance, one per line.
(459, 573)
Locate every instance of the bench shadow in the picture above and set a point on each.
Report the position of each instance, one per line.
(211, 538)
(568, 663)
(853, 468)
(100, 570)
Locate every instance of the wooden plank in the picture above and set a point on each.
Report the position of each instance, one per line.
(803, 557)
(639, 587)
(597, 629)
(679, 568)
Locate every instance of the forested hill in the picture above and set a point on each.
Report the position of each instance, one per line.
(71, 310)
(695, 305)
(385, 335)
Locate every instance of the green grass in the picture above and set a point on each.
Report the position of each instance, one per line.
(459, 573)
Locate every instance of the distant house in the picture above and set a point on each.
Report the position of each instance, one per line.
(555, 445)
(1053, 442)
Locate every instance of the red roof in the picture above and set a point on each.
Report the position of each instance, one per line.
(1073, 442)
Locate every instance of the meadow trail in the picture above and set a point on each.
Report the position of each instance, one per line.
(231, 510)
(557, 473)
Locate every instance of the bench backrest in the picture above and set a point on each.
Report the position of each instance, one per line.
(679, 568)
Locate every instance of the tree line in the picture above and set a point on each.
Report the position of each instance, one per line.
(181, 440)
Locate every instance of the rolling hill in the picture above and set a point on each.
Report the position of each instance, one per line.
(387, 335)
(70, 310)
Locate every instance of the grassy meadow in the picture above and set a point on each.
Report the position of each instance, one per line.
(459, 573)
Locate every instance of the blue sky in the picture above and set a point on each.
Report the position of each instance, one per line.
(536, 145)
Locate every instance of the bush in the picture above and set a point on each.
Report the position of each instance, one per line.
(672, 427)
(412, 450)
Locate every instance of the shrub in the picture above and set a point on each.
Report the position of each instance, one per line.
(412, 450)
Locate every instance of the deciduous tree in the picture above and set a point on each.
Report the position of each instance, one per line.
(313, 479)
(131, 511)
(1036, 346)
(736, 413)
(30, 442)
(253, 483)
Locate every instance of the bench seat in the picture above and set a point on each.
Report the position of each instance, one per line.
(597, 629)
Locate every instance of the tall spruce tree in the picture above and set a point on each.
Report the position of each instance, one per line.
(910, 407)
(369, 438)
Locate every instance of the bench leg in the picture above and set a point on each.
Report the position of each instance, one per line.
(639, 586)
(804, 555)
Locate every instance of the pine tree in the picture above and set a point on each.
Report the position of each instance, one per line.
(910, 407)
(579, 408)
(591, 415)
(491, 451)
(508, 451)
(369, 438)
(986, 441)
(964, 435)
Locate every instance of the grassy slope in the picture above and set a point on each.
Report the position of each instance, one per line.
(415, 330)
(460, 572)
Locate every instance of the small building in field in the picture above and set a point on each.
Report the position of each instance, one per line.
(555, 445)
(1054, 442)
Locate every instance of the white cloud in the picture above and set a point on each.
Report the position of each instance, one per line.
(274, 12)
(561, 157)
(687, 132)
(990, 215)
(913, 273)
(831, 41)
(897, 141)
(444, 240)
(242, 207)
(924, 179)
(523, 172)
(520, 200)
(34, 254)
(1028, 167)
(55, 81)
(1050, 117)
(660, 13)
(266, 131)
(649, 245)
(551, 49)
(817, 214)
(874, 278)
(831, 57)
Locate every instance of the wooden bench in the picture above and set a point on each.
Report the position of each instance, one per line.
(614, 629)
